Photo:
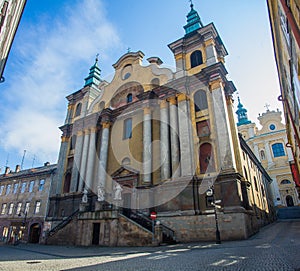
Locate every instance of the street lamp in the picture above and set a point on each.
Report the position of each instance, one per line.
(211, 193)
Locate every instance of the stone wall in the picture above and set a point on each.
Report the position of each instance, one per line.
(190, 228)
(115, 230)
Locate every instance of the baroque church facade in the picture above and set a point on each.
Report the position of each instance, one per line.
(270, 145)
(155, 140)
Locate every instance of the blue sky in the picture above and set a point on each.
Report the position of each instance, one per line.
(57, 41)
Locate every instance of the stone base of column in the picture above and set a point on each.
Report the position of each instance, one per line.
(83, 207)
(99, 205)
(118, 204)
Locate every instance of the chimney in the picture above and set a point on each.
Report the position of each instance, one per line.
(7, 170)
(18, 168)
(47, 164)
(155, 60)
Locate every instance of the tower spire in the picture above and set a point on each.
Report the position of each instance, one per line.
(193, 20)
(94, 75)
(242, 114)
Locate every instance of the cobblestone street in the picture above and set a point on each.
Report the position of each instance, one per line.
(275, 247)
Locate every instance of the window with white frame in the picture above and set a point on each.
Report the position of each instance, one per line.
(19, 207)
(27, 205)
(31, 185)
(37, 207)
(11, 208)
(23, 188)
(3, 209)
(41, 185)
(8, 189)
(16, 186)
(1, 189)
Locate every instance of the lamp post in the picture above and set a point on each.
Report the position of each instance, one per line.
(211, 193)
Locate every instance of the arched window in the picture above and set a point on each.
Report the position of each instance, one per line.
(262, 155)
(127, 132)
(129, 98)
(126, 161)
(289, 201)
(255, 183)
(206, 160)
(246, 174)
(278, 150)
(78, 110)
(67, 183)
(200, 100)
(196, 58)
(285, 182)
(73, 142)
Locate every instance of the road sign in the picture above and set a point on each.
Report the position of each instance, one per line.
(153, 215)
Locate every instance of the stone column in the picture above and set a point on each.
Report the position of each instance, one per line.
(186, 161)
(223, 133)
(103, 161)
(211, 53)
(56, 187)
(91, 159)
(256, 152)
(77, 161)
(147, 148)
(83, 161)
(175, 152)
(164, 141)
(268, 153)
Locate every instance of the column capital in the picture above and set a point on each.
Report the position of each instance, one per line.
(172, 100)
(216, 84)
(182, 97)
(93, 130)
(71, 106)
(179, 56)
(64, 139)
(147, 110)
(209, 41)
(105, 124)
(86, 131)
(80, 133)
(163, 104)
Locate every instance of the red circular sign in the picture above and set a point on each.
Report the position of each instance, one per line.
(153, 215)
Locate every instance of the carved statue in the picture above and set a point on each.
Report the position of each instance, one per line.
(101, 193)
(118, 192)
(84, 197)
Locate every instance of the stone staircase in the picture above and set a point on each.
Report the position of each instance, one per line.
(168, 235)
(289, 213)
(62, 224)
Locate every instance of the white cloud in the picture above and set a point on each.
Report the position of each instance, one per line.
(52, 57)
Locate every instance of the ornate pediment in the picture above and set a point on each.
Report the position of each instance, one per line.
(124, 172)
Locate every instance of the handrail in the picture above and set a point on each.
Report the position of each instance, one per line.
(62, 223)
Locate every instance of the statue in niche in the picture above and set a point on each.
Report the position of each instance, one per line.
(84, 197)
(118, 192)
(101, 193)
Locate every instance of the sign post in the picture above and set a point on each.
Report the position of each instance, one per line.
(153, 216)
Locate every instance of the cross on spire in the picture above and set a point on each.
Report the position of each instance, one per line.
(97, 57)
(191, 1)
(128, 50)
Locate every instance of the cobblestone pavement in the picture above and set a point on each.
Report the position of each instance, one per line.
(275, 247)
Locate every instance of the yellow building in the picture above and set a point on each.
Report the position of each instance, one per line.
(285, 21)
(162, 141)
(10, 15)
(269, 145)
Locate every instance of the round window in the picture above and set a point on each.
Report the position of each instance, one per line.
(272, 127)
